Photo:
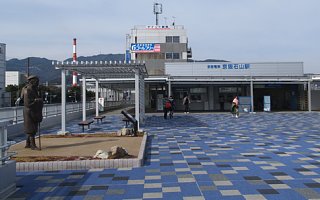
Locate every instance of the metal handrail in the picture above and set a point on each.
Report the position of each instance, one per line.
(49, 110)
(4, 144)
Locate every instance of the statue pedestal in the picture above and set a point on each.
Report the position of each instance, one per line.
(8, 178)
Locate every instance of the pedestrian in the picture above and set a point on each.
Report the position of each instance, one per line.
(32, 110)
(166, 106)
(186, 102)
(171, 109)
(235, 107)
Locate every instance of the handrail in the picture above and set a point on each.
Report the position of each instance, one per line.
(4, 144)
(49, 110)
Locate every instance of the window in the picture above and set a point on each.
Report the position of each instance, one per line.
(172, 39)
(0, 50)
(171, 55)
(175, 55)
(168, 55)
(168, 39)
(176, 39)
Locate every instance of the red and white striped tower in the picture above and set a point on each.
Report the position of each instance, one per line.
(74, 59)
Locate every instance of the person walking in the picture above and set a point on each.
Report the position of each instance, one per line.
(32, 110)
(235, 107)
(186, 102)
(166, 106)
(171, 109)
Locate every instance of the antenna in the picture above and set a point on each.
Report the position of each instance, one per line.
(157, 9)
(174, 20)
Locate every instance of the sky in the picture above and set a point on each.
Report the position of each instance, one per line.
(233, 30)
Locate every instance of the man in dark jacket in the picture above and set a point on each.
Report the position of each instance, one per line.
(32, 112)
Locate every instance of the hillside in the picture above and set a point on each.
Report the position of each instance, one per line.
(44, 69)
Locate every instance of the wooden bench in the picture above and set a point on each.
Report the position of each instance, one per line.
(85, 123)
(99, 118)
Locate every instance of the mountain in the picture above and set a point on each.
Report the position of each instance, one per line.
(46, 72)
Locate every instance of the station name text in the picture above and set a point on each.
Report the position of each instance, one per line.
(229, 66)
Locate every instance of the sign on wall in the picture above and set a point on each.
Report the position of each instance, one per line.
(229, 66)
(145, 48)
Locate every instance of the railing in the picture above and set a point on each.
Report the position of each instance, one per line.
(4, 144)
(49, 110)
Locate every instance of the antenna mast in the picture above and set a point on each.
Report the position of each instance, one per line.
(157, 9)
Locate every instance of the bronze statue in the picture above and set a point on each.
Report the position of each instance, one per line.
(32, 111)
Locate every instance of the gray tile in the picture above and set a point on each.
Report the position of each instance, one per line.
(218, 177)
(308, 193)
(115, 191)
(208, 187)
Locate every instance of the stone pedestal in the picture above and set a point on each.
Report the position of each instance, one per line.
(7, 178)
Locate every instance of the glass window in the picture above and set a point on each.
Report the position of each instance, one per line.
(176, 39)
(168, 55)
(176, 55)
(168, 39)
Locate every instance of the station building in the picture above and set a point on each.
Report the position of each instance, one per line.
(212, 85)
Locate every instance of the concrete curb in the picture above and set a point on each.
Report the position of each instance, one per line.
(85, 164)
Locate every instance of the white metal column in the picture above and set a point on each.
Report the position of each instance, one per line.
(309, 96)
(63, 102)
(169, 86)
(97, 97)
(137, 95)
(84, 98)
(251, 94)
(142, 99)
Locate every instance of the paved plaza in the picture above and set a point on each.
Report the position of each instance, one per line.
(200, 156)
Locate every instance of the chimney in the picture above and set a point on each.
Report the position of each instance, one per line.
(74, 59)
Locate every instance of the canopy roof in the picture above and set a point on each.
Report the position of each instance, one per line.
(104, 69)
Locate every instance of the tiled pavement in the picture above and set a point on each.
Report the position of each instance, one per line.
(202, 156)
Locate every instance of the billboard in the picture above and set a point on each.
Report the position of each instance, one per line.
(145, 48)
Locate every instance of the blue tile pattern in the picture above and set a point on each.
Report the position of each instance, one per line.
(201, 156)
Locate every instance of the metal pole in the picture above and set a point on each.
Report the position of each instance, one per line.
(169, 86)
(83, 98)
(28, 65)
(309, 96)
(251, 94)
(137, 95)
(39, 136)
(97, 97)
(63, 100)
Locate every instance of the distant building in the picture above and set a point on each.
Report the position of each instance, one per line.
(15, 78)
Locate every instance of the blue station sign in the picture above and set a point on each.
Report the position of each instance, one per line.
(145, 47)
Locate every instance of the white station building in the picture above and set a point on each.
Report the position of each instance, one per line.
(263, 86)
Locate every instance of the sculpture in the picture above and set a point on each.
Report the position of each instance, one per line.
(32, 111)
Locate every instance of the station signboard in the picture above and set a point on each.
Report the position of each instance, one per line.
(145, 48)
